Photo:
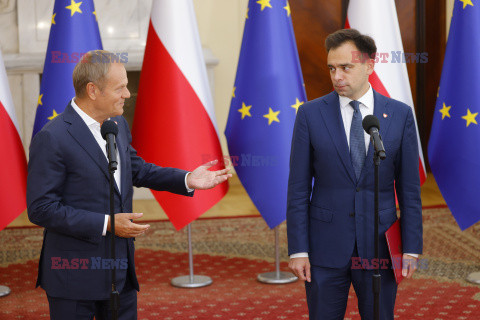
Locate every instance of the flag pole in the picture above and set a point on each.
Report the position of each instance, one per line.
(4, 291)
(277, 277)
(191, 281)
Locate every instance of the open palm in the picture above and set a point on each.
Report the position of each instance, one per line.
(202, 178)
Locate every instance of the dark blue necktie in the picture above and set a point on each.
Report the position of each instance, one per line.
(357, 140)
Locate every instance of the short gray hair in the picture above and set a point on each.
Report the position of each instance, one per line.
(92, 67)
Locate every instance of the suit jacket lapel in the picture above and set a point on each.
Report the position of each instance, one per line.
(81, 133)
(334, 124)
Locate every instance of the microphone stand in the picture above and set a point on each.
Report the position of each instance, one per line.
(376, 277)
(114, 295)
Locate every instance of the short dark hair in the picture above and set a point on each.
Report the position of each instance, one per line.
(364, 43)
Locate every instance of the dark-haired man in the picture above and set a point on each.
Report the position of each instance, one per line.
(331, 222)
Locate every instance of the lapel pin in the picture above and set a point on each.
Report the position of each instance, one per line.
(385, 115)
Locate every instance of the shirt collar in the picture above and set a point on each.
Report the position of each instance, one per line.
(367, 99)
(85, 117)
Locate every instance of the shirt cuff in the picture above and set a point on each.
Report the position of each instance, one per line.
(305, 255)
(299, 255)
(104, 233)
(186, 185)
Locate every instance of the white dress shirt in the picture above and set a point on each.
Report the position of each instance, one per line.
(346, 110)
(94, 127)
(366, 108)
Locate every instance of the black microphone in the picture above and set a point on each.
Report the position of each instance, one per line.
(371, 125)
(109, 131)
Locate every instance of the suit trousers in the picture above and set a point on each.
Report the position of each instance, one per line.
(327, 294)
(62, 309)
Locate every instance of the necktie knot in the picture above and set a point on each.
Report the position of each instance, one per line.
(355, 105)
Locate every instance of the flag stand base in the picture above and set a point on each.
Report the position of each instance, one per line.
(191, 281)
(4, 291)
(474, 278)
(194, 282)
(276, 278)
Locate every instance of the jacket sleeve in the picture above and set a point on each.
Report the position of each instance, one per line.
(407, 185)
(154, 177)
(299, 186)
(46, 175)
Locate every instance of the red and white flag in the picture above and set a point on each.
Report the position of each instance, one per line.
(174, 123)
(378, 19)
(13, 164)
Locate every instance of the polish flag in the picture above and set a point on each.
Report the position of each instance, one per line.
(13, 165)
(378, 19)
(174, 124)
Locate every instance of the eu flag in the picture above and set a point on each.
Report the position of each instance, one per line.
(267, 93)
(454, 146)
(74, 31)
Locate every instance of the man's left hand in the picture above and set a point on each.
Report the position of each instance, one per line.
(409, 265)
(202, 179)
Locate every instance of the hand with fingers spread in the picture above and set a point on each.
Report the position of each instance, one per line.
(125, 227)
(202, 178)
(409, 265)
(301, 268)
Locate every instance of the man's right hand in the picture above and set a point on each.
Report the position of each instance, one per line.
(125, 228)
(301, 268)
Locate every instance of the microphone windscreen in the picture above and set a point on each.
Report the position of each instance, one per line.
(369, 122)
(109, 126)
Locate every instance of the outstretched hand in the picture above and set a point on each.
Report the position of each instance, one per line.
(202, 178)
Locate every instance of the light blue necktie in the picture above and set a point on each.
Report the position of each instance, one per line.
(357, 140)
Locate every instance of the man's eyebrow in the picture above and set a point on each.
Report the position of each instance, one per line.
(340, 65)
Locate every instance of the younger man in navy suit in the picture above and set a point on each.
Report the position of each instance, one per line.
(331, 221)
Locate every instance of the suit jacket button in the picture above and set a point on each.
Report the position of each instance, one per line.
(358, 189)
(352, 214)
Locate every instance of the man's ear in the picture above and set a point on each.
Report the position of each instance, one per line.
(370, 66)
(91, 91)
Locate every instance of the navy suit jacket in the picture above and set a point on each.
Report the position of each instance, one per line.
(327, 216)
(68, 195)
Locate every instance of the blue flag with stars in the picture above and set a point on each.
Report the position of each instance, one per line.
(267, 92)
(453, 149)
(73, 32)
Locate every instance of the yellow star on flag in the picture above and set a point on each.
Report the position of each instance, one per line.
(297, 105)
(445, 111)
(53, 18)
(246, 16)
(233, 92)
(272, 116)
(467, 2)
(74, 7)
(245, 110)
(40, 100)
(53, 115)
(470, 117)
(264, 3)
(287, 7)
(95, 13)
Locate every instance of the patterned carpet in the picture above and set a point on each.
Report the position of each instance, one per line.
(232, 252)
